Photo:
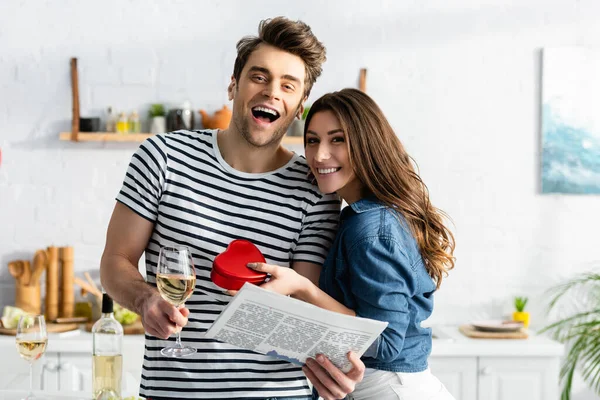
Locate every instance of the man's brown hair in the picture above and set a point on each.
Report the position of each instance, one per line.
(294, 37)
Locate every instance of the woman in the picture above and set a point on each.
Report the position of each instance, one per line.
(392, 248)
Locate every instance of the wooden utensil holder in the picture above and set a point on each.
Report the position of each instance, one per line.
(29, 298)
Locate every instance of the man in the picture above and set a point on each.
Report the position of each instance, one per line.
(204, 189)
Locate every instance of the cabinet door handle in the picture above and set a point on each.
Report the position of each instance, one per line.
(50, 367)
(63, 366)
(486, 371)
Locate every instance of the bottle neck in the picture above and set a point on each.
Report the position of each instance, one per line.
(108, 315)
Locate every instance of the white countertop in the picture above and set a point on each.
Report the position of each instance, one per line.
(44, 395)
(451, 343)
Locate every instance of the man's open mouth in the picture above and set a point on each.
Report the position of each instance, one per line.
(265, 114)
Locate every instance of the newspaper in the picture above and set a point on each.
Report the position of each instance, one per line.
(290, 329)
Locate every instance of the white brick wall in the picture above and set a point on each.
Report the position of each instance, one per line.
(460, 84)
(459, 80)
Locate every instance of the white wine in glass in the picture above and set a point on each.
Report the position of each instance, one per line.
(176, 280)
(32, 340)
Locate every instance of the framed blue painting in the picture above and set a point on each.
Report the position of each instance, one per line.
(571, 120)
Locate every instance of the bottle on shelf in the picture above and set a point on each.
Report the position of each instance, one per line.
(107, 354)
(111, 123)
(135, 125)
(122, 123)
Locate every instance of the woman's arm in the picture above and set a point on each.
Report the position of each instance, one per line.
(288, 282)
(382, 281)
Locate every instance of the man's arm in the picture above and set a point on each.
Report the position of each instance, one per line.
(126, 238)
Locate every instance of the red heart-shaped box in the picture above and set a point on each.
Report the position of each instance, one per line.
(229, 269)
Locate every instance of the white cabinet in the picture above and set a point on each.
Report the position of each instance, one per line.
(458, 374)
(504, 378)
(14, 371)
(76, 371)
(68, 366)
(499, 378)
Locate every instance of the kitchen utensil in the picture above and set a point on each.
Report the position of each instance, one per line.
(497, 326)
(89, 124)
(362, 80)
(40, 260)
(229, 268)
(219, 120)
(87, 287)
(52, 284)
(67, 298)
(50, 328)
(28, 298)
(88, 277)
(16, 269)
(26, 277)
(180, 118)
(71, 320)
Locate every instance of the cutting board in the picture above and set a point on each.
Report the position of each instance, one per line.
(133, 329)
(470, 331)
(50, 328)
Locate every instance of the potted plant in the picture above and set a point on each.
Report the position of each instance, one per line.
(157, 118)
(521, 315)
(578, 327)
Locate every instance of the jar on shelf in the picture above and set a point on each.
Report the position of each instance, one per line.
(122, 123)
(110, 120)
(134, 123)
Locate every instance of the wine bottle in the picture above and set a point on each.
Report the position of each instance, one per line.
(107, 364)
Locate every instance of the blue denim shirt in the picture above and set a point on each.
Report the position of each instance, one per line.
(375, 268)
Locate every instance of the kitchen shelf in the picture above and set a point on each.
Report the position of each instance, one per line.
(106, 137)
(76, 136)
(140, 137)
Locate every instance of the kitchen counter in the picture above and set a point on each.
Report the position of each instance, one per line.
(449, 342)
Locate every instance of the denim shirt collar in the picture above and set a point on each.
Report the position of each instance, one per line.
(362, 205)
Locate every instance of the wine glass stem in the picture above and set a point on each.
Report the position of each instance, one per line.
(30, 379)
(178, 340)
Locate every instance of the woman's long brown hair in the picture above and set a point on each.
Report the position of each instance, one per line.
(386, 171)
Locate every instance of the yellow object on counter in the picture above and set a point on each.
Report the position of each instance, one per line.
(521, 316)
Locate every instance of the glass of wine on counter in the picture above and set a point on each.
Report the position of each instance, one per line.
(32, 340)
(176, 280)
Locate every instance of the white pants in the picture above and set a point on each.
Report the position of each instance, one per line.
(385, 385)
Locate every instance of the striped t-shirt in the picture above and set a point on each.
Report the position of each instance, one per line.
(181, 183)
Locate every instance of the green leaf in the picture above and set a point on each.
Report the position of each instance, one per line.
(580, 331)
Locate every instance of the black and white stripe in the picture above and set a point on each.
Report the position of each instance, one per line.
(180, 182)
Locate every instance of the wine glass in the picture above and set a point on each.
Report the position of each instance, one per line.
(32, 340)
(175, 280)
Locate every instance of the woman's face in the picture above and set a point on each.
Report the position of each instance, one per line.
(327, 155)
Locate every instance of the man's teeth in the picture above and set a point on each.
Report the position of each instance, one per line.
(266, 110)
(327, 170)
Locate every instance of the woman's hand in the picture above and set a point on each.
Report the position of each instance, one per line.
(330, 381)
(283, 280)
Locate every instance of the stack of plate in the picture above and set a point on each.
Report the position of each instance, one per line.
(497, 326)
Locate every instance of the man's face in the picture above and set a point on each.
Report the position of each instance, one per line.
(268, 96)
